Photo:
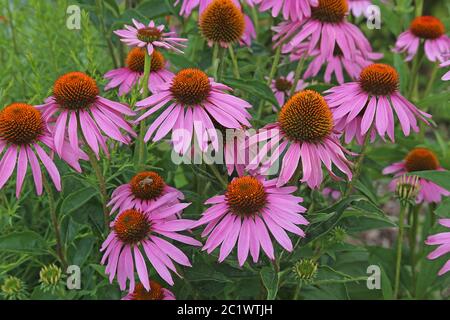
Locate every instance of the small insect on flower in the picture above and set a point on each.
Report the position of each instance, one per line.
(77, 106)
(293, 10)
(242, 216)
(366, 106)
(305, 130)
(24, 136)
(133, 231)
(419, 159)
(429, 30)
(146, 191)
(150, 36)
(194, 101)
(156, 292)
(132, 74)
(443, 242)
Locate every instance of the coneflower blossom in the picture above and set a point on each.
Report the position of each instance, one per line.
(249, 32)
(446, 76)
(326, 29)
(250, 207)
(282, 86)
(150, 36)
(147, 191)
(419, 159)
(131, 75)
(24, 135)
(336, 64)
(294, 10)
(443, 241)
(134, 231)
(429, 29)
(78, 107)
(304, 131)
(194, 102)
(156, 292)
(369, 103)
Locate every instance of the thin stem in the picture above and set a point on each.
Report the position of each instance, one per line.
(145, 92)
(404, 208)
(215, 61)
(419, 7)
(255, 20)
(431, 80)
(359, 161)
(55, 223)
(218, 175)
(413, 242)
(11, 24)
(298, 72)
(297, 290)
(273, 71)
(106, 34)
(101, 184)
(235, 63)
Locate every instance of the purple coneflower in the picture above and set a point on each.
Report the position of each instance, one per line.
(369, 103)
(443, 241)
(131, 75)
(282, 86)
(305, 130)
(194, 102)
(359, 7)
(326, 29)
(147, 191)
(134, 231)
(78, 107)
(150, 36)
(24, 135)
(419, 159)
(429, 29)
(250, 207)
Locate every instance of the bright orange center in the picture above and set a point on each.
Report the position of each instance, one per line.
(147, 185)
(222, 22)
(379, 79)
(190, 86)
(427, 27)
(132, 226)
(20, 124)
(155, 293)
(330, 11)
(149, 34)
(246, 196)
(75, 90)
(306, 117)
(136, 60)
(420, 159)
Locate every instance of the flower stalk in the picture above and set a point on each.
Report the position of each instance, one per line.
(145, 92)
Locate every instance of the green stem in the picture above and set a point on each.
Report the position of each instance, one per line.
(215, 61)
(413, 242)
(273, 71)
(359, 161)
(419, 7)
(434, 72)
(235, 63)
(106, 34)
(218, 175)
(55, 223)
(297, 290)
(101, 184)
(298, 72)
(145, 92)
(11, 25)
(398, 266)
(255, 20)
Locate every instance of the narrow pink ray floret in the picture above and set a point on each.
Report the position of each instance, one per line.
(442, 240)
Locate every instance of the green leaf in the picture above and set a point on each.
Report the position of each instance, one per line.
(253, 87)
(77, 199)
(441, 178)
(23, 242)
(444, 209)
(270, 280)
(386, 285)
